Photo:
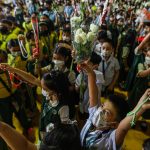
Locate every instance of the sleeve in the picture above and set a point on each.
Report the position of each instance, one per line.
(117, 66)
(140, 67)
(64, 113)
(92, 110)
(112, 141)
(137, 51)
(125, 52)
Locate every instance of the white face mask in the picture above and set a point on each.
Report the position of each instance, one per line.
(98, 49)
(105, 53)
(147, 60)
(98, 119)
(52, 103)
(58, 64)
(45, 94)
(65, 38)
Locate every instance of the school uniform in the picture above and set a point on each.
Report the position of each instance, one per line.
(108, 68)
(52, 116)
(97, 140)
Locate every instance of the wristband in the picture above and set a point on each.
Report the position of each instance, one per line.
(133, 113)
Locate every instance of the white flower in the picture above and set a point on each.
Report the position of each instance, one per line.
(79, 31)
(94, 28)
(84, 37)
(75, 21)
(80, 37)
(91, 36)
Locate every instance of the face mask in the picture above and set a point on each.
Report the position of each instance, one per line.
(44, 33)
(54, 103)
(147, 60)
(98, 119)
(45, 94)
(58, 64)
(98, 49)
(15, 54)
(65, 38)
(105, 53)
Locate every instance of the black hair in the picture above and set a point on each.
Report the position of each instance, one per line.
(49, 24)
(146, 144)
(12, 43)
(29, 35)
(120, 104)
(5, 21)
(63, 137)
(95, 59)
(67, 29)
(102, 35)
(49, 2)
(57, 82)
(65, 53)
(107, 40)
(11, 18)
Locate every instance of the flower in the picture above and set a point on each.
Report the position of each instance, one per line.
(91, 36)
(94, 28)
(80, 37)
(79, 31)
(75, 21)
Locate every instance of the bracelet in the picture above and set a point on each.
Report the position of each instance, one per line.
(133, 113)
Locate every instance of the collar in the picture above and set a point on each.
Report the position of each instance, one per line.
(109, 60)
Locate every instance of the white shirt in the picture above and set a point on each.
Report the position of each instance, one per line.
(110, 67)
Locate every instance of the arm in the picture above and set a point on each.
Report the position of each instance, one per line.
(124, 126)
(144, 73)
(93, 91)
(142, 44)
(15, 140)
(26, 76)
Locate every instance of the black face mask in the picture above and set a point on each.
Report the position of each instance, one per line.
(4, 30)
(44, 33)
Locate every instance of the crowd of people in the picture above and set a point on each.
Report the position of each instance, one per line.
(38, 63)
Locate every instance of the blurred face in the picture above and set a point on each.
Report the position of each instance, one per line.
(107, 50)
(59, 62)
(109, 111)
(120, 23)
(14, 49)
(66, 37)
(49, 94)
(58, 57)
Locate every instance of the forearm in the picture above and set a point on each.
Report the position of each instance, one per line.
(146, 39)
(124, 127)
(27, 77)
(144, 73)
(15, 140)
(93, 91)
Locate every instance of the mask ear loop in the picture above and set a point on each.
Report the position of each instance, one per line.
(133, 113)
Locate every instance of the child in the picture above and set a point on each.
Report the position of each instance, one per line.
(54, 108)
(108, 125)
(62, 61)
(109, 66)
(81, 80)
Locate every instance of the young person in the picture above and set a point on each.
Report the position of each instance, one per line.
(108, 125)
